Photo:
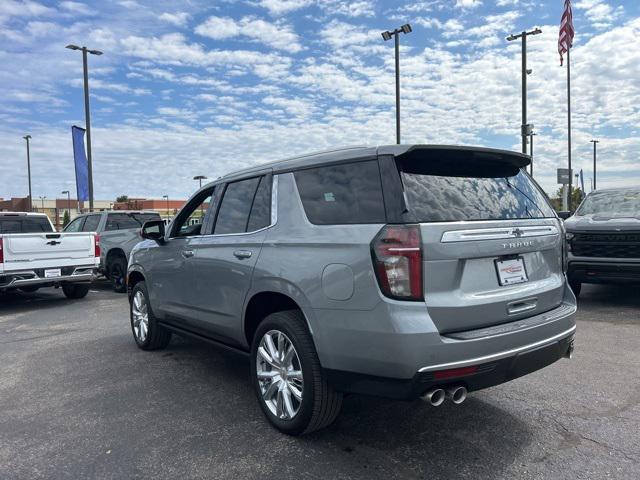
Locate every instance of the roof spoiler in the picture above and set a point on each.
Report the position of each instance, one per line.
(455, 153)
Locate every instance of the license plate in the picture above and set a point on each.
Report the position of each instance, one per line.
(511, 271)
(52, 272)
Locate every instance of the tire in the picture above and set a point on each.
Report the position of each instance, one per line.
(576, 287)
(147, 332)
(319, 404)
(29, 289)
(117, 270)
(75, 290)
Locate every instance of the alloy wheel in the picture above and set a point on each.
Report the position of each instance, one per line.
(140, 313)
(279, 374)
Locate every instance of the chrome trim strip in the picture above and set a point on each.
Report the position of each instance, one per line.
(498, 233)
(497, 356)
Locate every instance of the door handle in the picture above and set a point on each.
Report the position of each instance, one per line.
(242, 254)
(188, 253)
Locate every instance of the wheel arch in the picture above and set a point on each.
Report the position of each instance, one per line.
(261, 303)
(134, 275)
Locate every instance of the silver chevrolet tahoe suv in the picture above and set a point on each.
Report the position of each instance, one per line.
(404, 271)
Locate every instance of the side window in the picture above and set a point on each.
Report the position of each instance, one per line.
(235, 207)
(191, 218)
(260, 215)
(91, 223)
(75, 226)
(342, 194)
(123, 221)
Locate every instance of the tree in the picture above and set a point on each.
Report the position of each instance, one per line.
(577, 196)
(66, 219)
(122, 199)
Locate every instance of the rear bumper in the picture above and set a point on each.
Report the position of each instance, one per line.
(585, 270)
(499, 368)
(25, 278)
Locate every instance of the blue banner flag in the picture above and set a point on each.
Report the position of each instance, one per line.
(82, 166)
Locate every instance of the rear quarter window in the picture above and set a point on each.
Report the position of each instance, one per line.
(348, 193)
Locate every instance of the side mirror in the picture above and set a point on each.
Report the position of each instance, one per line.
(153, 230)
(564, 214)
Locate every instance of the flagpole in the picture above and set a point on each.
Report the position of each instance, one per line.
(569, 125)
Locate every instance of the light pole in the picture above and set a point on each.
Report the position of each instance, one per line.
(68, 201)
(406, 28)
(166, 197)
(532, 134)
(524, 127)
(42, 200)
(200, 178)
(27, 138)
(595, 142)
(87, 115)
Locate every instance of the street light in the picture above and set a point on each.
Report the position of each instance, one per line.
(524, 129)
(595, 142)
(532, 134)
(87, 115)
(406, 28)
(68, 201)
(42, 200)
(200, 178)
(27, 138)
(166, 197)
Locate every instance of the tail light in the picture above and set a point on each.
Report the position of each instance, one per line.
(96, 252)
(397, 259)
(1, 252)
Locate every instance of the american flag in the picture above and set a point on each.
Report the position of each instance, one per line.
(565, 39)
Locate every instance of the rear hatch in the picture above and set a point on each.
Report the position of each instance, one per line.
(41, 250)
(491, 243)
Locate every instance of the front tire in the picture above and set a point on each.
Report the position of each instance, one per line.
(75, 290)
(291, 387)
(147, 332)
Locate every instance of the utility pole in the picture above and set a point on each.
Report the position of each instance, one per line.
(595, 142)
(406, 28)
(87, 114)
(166, 197)
(200, 178)
(27, 138)
(524, 128)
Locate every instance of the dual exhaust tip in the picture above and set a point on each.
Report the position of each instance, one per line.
(436, 396)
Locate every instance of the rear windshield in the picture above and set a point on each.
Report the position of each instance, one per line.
(621, 203)
(10, 224)
(439, 191)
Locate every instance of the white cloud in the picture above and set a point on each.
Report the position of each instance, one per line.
(468, 3)
(179, 19)
(599, 12)
(276, 35)
(280, 7)
(77, 7)
(348, 8)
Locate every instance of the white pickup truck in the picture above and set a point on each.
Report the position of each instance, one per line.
(33, 255)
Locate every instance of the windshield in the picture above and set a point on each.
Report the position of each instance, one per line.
(621, 203)
(438, 191)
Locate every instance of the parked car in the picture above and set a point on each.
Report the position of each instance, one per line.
(33, 255)
(400, 271)
(119, 232)
(604, 238)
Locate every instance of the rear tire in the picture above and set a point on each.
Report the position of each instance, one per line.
(75, 290)
(147, 332)
(118, 274)
(282, 380)
(576, 287)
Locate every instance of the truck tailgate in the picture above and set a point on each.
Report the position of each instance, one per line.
(42, 250)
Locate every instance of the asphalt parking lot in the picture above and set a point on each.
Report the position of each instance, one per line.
(79, 400)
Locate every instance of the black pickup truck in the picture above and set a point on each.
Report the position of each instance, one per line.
(603, 238)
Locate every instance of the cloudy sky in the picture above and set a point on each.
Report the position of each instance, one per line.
(205, 87)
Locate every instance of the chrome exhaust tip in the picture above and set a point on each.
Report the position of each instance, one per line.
(569, 353)
(457, 394)
(435, 397)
